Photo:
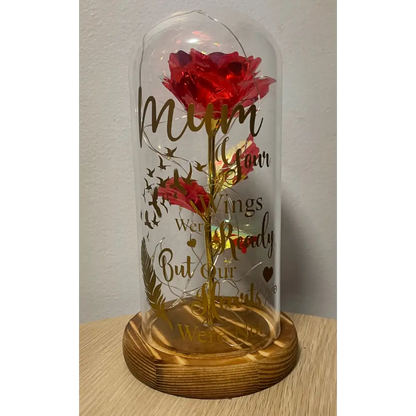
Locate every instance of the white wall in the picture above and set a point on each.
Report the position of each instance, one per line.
(306, 33)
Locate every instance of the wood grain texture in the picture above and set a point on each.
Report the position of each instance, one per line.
(211, 377)
(108, 388)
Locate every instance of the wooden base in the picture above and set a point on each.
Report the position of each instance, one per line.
(208, 378)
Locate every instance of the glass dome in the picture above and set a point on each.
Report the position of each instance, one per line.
(206, 114)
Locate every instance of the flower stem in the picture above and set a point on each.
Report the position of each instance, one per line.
(208, 234)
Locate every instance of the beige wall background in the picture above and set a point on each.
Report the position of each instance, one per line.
(109, 263)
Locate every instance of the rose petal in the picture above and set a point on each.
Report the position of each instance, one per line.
(183, 58)
(254, 64)
(215, 57)
(257, 89)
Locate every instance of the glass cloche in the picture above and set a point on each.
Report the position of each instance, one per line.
(206, 112)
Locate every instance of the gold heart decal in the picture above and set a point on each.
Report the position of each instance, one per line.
(267, 273)
(191, 242)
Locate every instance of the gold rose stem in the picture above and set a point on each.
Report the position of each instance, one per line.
(208, 234)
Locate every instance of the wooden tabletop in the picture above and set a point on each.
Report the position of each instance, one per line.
(108, 388)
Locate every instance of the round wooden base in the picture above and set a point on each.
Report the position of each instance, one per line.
(208, 378)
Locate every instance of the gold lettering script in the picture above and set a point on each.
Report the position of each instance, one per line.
(235, 333)
(210, 127)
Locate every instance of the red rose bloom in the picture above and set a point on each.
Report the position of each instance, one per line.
(217, 78)
(183, 197)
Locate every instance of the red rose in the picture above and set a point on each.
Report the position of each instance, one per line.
(183, 197)
(217, 78)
